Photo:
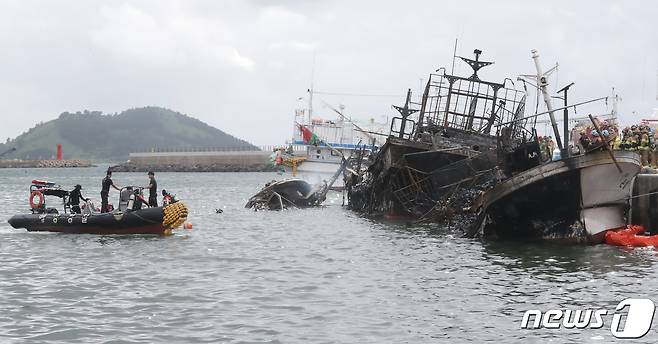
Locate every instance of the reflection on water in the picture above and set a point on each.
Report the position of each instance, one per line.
(298, 276)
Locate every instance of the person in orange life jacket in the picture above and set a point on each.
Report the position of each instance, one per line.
(74, 199)
(167, 198)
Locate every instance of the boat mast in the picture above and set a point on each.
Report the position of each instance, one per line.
(615, 105)
(542, 82)
(454, 56)
(565, 89)
(310, 92)
(405, 112)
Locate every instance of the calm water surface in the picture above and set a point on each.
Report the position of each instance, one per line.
(300, 276)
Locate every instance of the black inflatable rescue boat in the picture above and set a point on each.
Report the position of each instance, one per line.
(129, 218)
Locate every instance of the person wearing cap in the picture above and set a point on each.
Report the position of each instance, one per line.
(625, 137)
(105, 190)
(74, 199)
(596, 138)
(153, 190)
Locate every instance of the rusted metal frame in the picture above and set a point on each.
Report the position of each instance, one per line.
(558, 109)
(445, 197)
(489, 83)
(463, 115)
(449, 95)
(492, 118)
(470, 92)
(429, 175)
(472, 105)
(421, 115)
(466, 179)
(412, 179)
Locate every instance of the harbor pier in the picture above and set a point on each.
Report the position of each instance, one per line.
(199, 160)
(644, 204)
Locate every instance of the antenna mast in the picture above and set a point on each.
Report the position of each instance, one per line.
(310, 92)
(454, 56)
(542, 82)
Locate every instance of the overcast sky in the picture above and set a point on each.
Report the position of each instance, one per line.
(242, 65)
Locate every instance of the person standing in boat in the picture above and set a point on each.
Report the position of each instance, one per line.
(153, 190)
(105, 190)
(74, 199)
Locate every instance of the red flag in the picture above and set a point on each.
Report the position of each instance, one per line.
(307, 135)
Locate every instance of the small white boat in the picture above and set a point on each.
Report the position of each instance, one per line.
(318, 145)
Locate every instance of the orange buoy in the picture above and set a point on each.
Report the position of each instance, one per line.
(188, 226)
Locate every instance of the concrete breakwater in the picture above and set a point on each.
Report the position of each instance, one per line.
(212, 161)
(44, 163)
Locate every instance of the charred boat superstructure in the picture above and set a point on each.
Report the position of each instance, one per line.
(442, 152)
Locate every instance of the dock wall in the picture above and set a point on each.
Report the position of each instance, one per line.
(239, 158)
(644, 209)
(198, 161)
(44, 163)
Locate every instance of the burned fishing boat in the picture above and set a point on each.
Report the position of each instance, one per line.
(133, 216)
(293, 193)
(577, 198)
(441, 152)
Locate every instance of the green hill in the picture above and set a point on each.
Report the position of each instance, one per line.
(92, 135)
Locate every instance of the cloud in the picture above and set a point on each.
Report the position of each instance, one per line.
(240, 65)
(242, 61)
(281, 16)
(135, 36)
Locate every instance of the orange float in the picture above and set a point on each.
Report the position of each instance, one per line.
(629, 237)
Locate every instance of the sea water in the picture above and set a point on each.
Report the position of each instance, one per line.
(324, 275)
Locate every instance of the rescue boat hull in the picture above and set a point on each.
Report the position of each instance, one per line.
(145, 221)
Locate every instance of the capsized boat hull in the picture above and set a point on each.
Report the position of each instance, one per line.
(278, 195)
(156, 221)
(577, 199)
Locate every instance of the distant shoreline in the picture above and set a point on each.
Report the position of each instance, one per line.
(45, 163)
(128, 167)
